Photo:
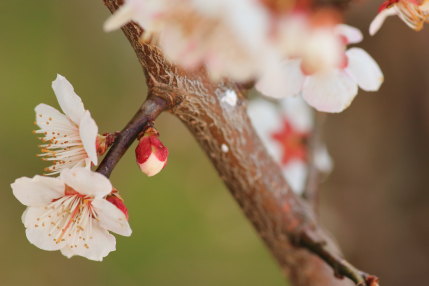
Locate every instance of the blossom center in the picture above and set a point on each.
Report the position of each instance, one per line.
(292, 142)
(69, 219)
(61, 143)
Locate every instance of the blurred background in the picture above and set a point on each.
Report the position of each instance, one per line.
(187, 229)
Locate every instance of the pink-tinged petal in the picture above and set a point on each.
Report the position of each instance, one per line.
(331, 92)
(352, 34)
(121, 17)
(88, 131)
(111, 218)
(265, 119)
(298, 113)
(281, 79)
(380, 18)
(96, 248)
(363, 68)
(69, 101)
(38, 234)
(86, 182)
(37, 191)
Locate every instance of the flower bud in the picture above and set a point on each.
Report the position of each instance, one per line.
(151, 154)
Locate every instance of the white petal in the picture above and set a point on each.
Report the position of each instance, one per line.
(50, 119)
(331, 92)
(86, 182)
(266, 120)
(298, 113)
(24, 215)
(67, 251)
(36, 233)
(111, 218)
(152, 165)
(88, 131)
(69, 101)
(281, 79)
(323, 160)
(296, 174)
(121, 17)
(364, 69)
(98, 247)
(352, 34)
(37, 191)
(380, 18)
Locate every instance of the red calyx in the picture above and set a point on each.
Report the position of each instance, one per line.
(149, 144)
(116, 200)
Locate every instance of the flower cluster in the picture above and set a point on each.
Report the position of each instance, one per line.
(287, 49)
(74, 211)
(284, 128)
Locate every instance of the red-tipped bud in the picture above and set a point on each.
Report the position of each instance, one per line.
(151, 154)
(117, 200)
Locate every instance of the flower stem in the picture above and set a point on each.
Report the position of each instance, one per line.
(148, 112)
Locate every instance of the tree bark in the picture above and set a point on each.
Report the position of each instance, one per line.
(285, 222)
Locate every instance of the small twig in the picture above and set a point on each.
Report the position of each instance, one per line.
(148, 112)
(341, 267)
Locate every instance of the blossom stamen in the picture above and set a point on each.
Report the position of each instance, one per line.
(68, 139)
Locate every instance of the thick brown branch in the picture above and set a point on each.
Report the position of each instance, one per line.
(283, 220)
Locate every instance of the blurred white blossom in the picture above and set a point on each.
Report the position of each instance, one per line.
(330, 89)
(227, 37)
(284, 128)
(239, 39)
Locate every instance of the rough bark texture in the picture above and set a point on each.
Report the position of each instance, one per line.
(284, 221)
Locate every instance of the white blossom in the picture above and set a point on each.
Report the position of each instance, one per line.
(69, 139)
(329, 90)
(226, 37)
(284, 129)
(70, 213)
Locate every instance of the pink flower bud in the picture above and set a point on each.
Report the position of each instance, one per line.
(151, 154)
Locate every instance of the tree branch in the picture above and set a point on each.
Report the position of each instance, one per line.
(284, 221)
(149, 110)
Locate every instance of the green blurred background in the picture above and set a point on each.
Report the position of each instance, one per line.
(187, 228)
